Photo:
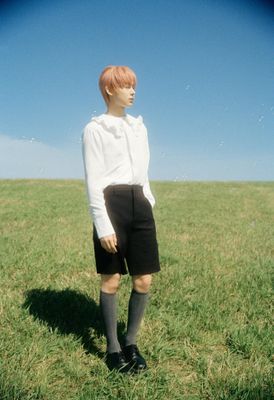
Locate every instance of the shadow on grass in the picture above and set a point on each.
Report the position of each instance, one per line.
(69, 311)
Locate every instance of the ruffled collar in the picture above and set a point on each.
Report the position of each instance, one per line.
(116, 124)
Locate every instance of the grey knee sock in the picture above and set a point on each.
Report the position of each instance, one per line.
(136, 308)
(108, 305)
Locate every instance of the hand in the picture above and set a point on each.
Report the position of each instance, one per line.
(109, 243)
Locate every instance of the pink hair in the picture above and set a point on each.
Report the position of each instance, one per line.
(114, 77)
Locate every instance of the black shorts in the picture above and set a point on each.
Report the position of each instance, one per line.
(132, 218)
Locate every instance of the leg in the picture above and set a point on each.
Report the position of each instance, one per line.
(111, 267)
(142, 283)
(110, 283)
(136, 307)
(108, 305)
(142, 258)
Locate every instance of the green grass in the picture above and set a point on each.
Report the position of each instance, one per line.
(207, 330)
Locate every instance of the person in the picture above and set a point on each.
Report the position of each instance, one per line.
(116, 159)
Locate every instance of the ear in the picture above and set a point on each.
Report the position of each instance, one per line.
(107, 90)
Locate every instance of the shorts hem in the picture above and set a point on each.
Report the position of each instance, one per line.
(112, 273)
(135, 271)
(144, 272)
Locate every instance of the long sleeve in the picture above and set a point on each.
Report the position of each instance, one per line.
(93, 158)
(148, 193)
(146, 186)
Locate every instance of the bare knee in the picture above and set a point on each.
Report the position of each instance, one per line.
(110, 283)
(142, 283)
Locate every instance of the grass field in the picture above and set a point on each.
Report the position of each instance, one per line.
(207, 330)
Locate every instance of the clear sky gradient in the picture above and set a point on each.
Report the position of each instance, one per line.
(205, 84)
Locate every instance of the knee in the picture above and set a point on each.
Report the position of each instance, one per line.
(110, 283)
(142, 283)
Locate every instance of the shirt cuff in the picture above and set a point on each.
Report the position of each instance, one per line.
(103, 226)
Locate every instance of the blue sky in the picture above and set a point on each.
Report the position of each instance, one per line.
(205, 84)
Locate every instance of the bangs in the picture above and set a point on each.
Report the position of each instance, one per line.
(121, 77)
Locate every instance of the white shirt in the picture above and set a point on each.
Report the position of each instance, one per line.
(115, 151)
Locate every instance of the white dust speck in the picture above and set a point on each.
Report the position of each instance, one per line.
(187, 87)
(261, 117)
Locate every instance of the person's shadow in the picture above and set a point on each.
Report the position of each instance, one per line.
(69, 311)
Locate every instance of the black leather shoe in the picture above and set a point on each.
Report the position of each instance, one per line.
(117, 361)
(134, 358)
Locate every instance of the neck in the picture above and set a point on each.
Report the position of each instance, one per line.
(116, 111)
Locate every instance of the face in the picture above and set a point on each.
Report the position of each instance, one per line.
(123, 97)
